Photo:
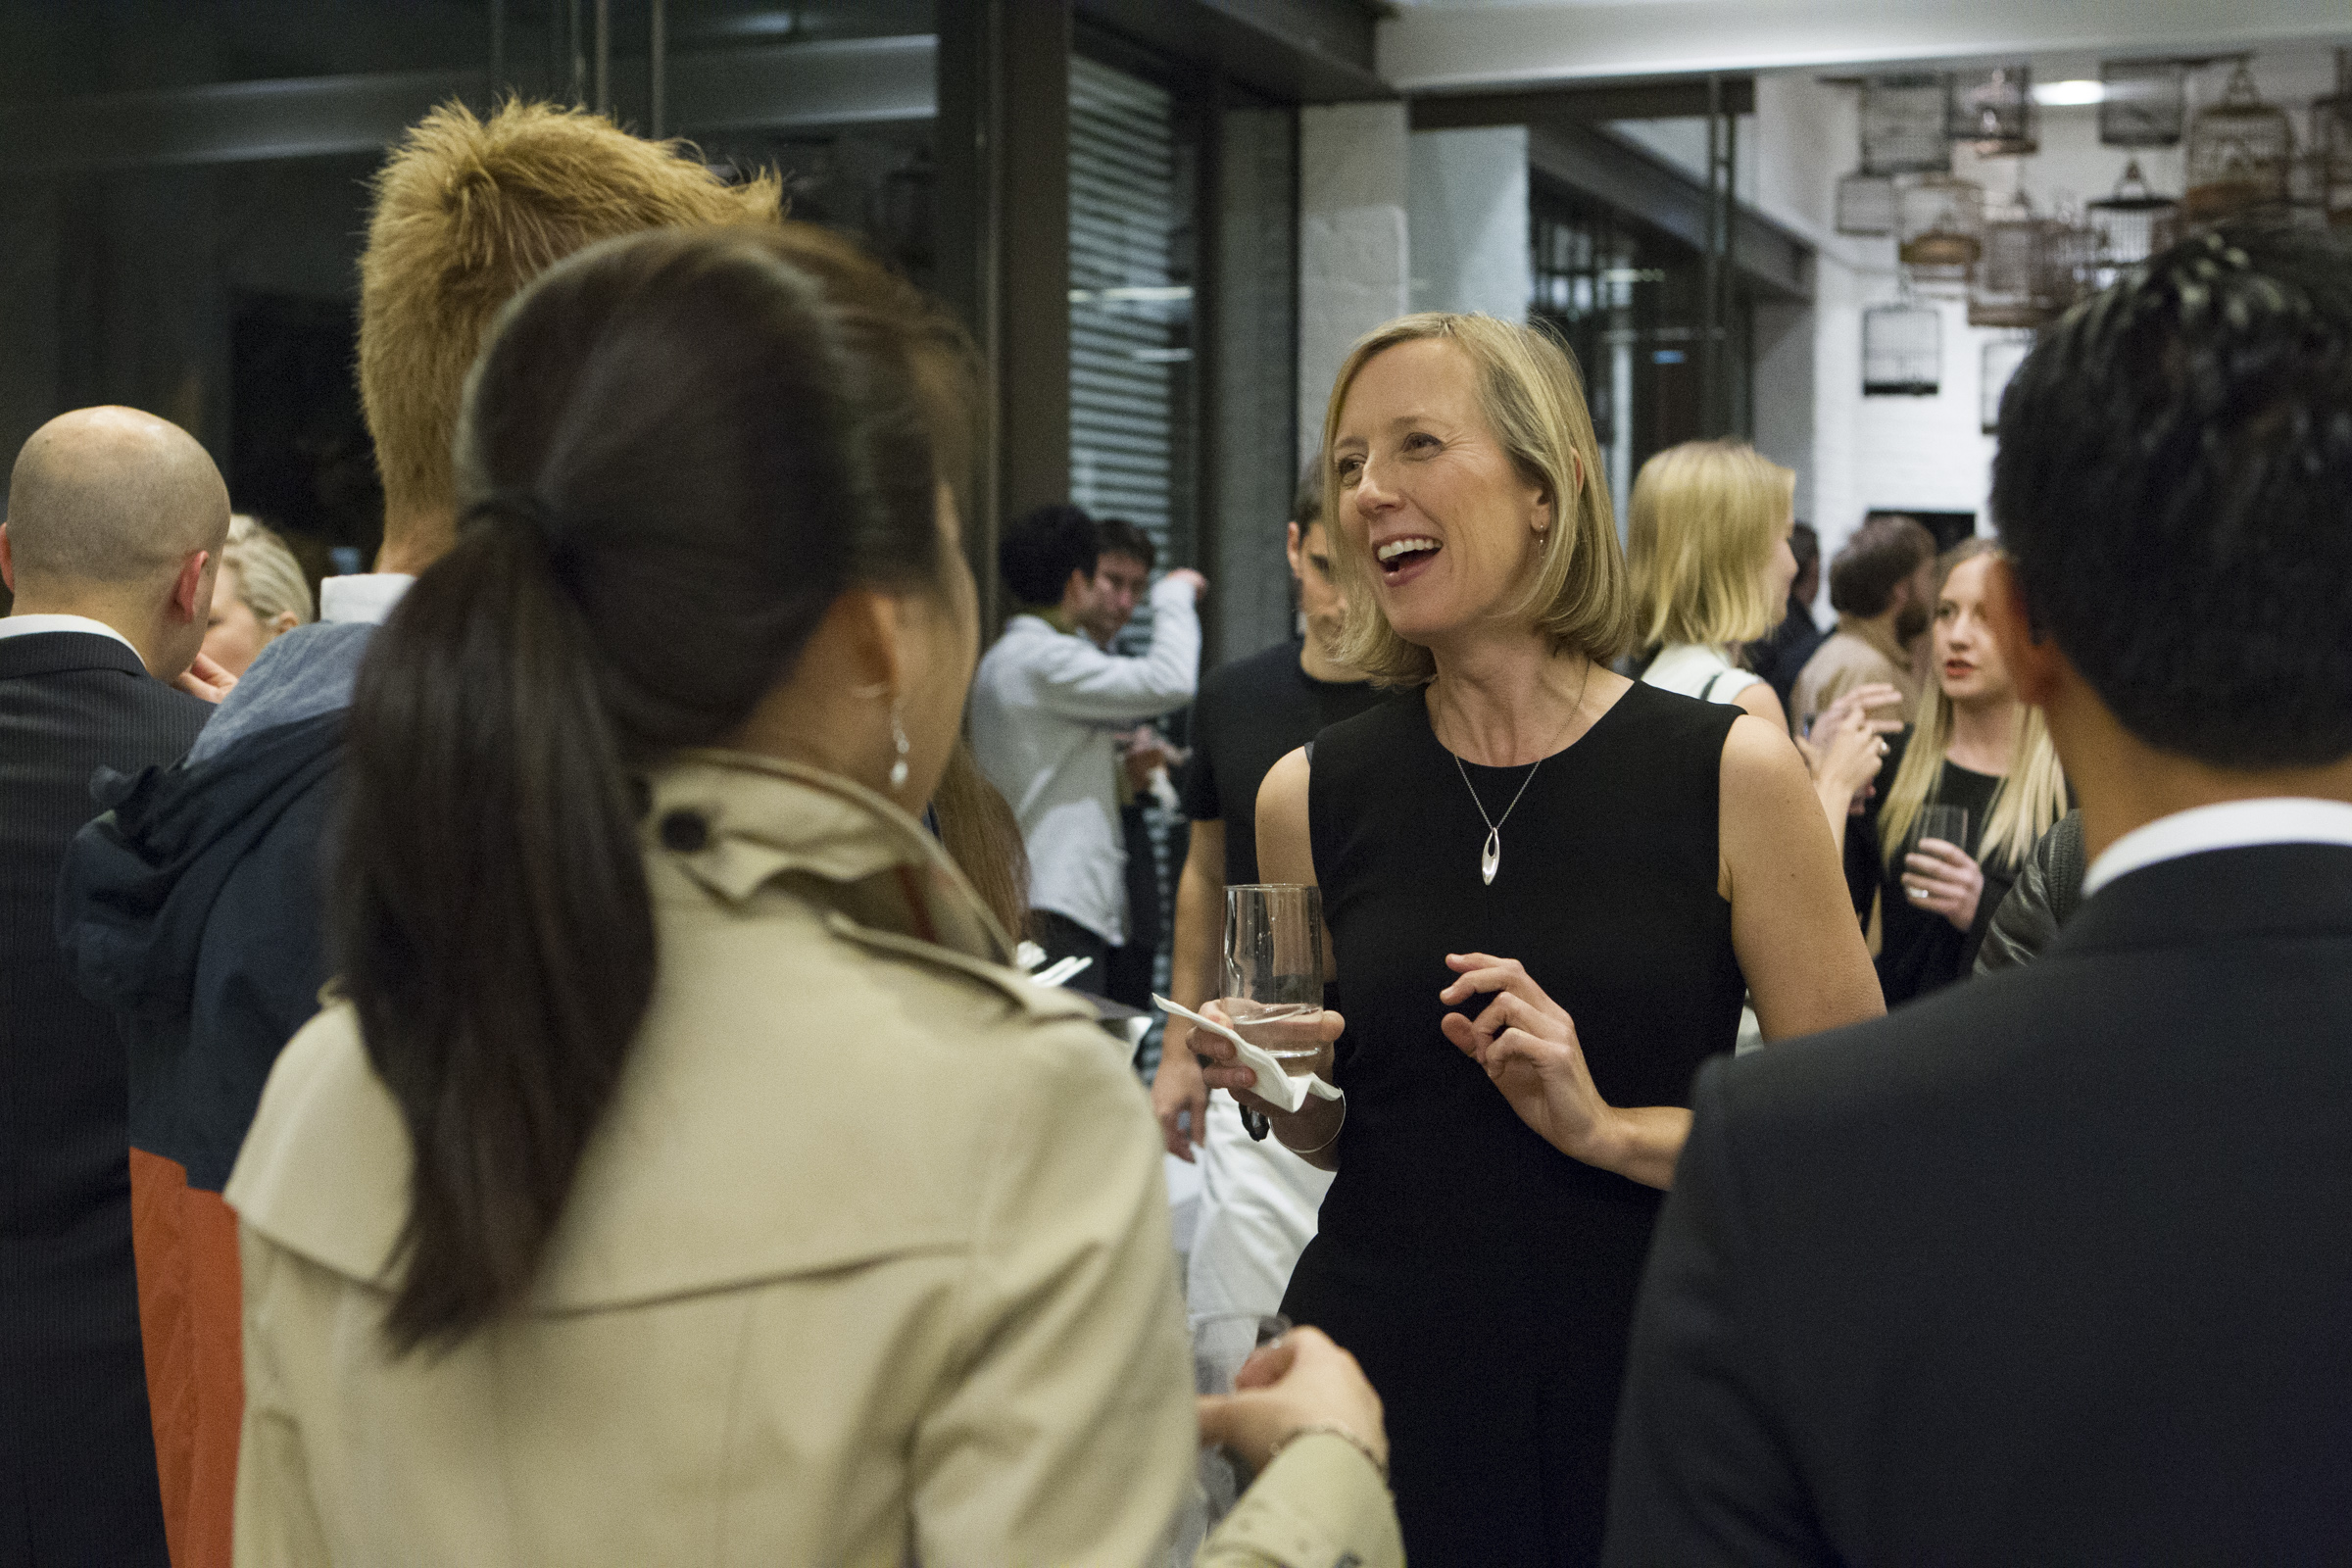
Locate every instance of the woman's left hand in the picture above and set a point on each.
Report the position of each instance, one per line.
(1941, 877)
(1527, 1042)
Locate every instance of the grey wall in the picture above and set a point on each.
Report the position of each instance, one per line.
(1354, 271)
(1466, 221)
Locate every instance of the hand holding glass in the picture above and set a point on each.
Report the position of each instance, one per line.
(1274, 970)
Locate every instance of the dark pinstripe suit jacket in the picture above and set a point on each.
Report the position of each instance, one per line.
(78, 1481)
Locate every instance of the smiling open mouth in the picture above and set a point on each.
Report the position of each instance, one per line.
(1399, 556)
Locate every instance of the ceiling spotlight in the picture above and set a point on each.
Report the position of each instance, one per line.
(2070, 94)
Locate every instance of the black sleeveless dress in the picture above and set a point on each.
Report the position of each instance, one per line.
(1485, 1280)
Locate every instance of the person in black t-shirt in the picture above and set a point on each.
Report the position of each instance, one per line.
(1258, 1201)
(1781, 655)
(1249, 715)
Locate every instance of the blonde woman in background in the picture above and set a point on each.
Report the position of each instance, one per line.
(1707, 545)
(1976, 747)
(261, 595)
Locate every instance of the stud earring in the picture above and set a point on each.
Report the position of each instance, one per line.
(900, 743)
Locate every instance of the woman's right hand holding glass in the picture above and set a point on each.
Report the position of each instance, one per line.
(1220, 1068)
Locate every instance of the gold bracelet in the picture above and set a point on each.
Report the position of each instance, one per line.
(1339, 1432)
(1326, 1142)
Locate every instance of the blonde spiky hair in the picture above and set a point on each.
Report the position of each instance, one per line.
(467, 212)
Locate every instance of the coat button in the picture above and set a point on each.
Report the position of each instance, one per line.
(685, 831)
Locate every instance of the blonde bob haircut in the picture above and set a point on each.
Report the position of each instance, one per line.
(467, 212)
(1534, 402)
(1706, 517)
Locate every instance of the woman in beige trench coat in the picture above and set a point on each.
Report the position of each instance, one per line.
(686, 1179)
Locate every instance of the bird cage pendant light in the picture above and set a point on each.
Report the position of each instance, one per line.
(1994, 109)
(2131, 225)
(1942, 228)
(2007, 291)
(2069, 261)
(2238, 151)
(1903, 125)
(1866, 204)
(1902, 350)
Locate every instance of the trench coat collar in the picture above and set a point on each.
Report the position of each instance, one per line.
(734, 823)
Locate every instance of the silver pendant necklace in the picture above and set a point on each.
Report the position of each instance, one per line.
(1490, 855)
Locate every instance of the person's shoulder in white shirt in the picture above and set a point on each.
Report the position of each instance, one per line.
(1695, 669)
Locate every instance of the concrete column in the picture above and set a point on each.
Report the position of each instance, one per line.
(1466, 221)
(1353, 249)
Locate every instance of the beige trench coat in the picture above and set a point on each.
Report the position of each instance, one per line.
(868, 1263)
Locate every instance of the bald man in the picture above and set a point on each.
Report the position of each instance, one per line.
(114, 529)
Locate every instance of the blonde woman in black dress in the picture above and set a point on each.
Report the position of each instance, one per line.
(1547, 888)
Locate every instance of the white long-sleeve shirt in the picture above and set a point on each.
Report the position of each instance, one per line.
(1045, 706)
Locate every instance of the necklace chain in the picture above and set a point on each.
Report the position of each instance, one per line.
(1490, 860)
(1493, 826)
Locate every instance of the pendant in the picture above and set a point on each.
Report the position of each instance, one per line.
(1490, 859)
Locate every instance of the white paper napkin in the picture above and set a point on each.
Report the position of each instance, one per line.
(1274, 1086)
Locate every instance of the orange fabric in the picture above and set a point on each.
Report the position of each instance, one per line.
(190, 1318)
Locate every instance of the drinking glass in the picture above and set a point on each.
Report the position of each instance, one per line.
(1274, 969)
(1946, 822)
(1221, 1342)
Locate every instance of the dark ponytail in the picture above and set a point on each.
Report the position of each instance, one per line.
(677, 456)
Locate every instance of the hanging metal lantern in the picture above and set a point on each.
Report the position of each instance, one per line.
(1866, 204)
(2238, 152)
(2009, 286)
(1993, 109)
(1903, 351)
(2131, 225)
(1996, 363)
(1903, 125)
(2145, 103)
(2069, 261)
(1942, 228)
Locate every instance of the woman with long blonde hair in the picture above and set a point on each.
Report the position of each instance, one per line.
(1973, 746)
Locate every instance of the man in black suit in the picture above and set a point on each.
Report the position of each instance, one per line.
(2056, 1266)
(112, 536)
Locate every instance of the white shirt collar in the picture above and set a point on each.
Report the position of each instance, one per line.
(31, 625)
(2229, 825)
(362, 597)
